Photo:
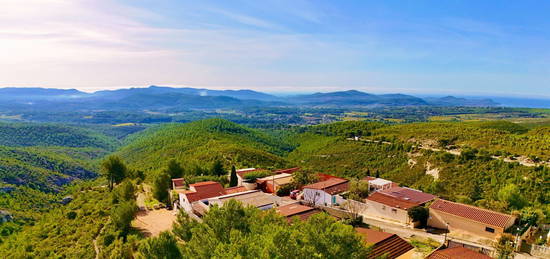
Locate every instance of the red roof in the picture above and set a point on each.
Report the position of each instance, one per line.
(473, 213)
(330, 186)
(291, 210)
(204, 190)
(199, 184)
(178, 182)
(324, 177)
(409, 194)
(392, 201)
(457, 253)
(384, 243)
(235, 189)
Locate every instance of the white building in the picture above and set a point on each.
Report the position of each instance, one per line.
(325, 193)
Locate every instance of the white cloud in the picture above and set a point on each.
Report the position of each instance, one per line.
(93, 44)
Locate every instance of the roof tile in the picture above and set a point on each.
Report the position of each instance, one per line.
(384, 243)
(473, 213)
(330, 186)
(457, 253)
(392, 201)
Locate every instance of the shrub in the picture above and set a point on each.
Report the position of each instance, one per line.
(161, 184)
(252, 176)
(419, 214)
(122, 215)
(71, 215)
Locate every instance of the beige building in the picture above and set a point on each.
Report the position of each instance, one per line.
(271, 184)
(466, 219)
(394, 203)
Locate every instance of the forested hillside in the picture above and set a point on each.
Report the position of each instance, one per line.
(497, 137)
(34, 134)
(63, 231)
(200, 143)
(38, 162)
(472, 176)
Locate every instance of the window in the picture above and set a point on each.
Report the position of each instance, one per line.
(488, 229)
(394, 210)
(384, 207)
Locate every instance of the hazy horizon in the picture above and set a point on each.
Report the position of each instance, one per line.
(283, 93)
(466, 48)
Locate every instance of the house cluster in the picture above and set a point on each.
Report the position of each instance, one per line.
(387, 201)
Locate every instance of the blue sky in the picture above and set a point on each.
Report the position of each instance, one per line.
(418, 47)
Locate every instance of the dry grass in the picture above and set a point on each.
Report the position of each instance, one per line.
(152, 222)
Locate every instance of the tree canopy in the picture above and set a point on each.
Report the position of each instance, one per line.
(235, 231)
(114, 169)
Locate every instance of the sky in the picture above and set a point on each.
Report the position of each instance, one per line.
(489, 47)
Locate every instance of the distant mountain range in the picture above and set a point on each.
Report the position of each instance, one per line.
(157, 97)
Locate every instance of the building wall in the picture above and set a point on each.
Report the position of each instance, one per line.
(184, 203)
(439, 219)
(339, 199)
(375, 209)
(317, 197)
(407, 255)
(239, 181)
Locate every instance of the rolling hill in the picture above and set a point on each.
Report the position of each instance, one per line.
(203, 142)
(356, 98)
(164, 98)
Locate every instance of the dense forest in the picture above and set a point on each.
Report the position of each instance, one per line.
(201, 143)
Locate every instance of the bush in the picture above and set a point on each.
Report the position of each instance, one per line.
(419, 214)
(252, 176)
(124, 192)
(161, 185)
(108, 239)
(71, 215)
(163, 246)
(122, 215)
(285, 190)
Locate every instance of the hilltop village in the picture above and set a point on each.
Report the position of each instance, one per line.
(395, 221)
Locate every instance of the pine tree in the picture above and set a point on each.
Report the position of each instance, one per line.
(114, 169)
(175, 170)
(217, 168)
(233, 179)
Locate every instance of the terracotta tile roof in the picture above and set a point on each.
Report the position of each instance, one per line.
(409, 194)
(324, 177)
(178, 183)
(384, 243)
(330, 186)
(372, 236)
(235, 189)
(292, 210)
(473, 213)
(203, 183)
(457, 253)
(392, 201)
(204, 190)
